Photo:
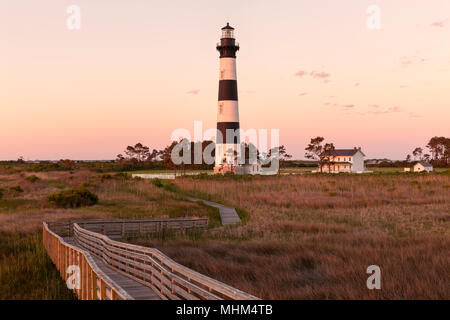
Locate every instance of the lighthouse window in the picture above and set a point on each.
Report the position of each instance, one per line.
(228, 33)
(220, 108)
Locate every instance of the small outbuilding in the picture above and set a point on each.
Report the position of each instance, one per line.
(422, 166)
(419, 166)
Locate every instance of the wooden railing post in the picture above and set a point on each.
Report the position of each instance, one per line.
(102, 289)
(94, 285)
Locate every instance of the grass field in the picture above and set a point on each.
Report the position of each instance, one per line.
(25, 270)
(305, 236)
(313, 236)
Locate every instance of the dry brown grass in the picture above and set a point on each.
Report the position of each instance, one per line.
(26, 272)
(119, 198)
(307, 237)
(312, 237)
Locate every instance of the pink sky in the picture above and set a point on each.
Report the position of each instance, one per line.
(137, 70)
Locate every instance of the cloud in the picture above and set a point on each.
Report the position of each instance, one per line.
(440, 24)
(194, 91)
(394, 109)
(302, 94)
(319, 75)
(348, 106)
(315, 75)
(357, 84)
(407, 61)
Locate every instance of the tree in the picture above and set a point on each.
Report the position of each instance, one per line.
(408, 158)
(152, 156)
(417, 153)
(316, 151)
(120, 158)
(280, 154)
(166, 157)
(138, 152)
(440, 149)
(327, 155)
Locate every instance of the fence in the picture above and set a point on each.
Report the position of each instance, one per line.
(147, 266)
(94, 283)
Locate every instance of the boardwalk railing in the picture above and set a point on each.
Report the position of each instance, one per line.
(148, 266)
(128, 228)
(94, 283)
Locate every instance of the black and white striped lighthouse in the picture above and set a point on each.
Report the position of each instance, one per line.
(228, 111)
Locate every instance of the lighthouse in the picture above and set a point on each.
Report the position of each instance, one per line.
(227, 139)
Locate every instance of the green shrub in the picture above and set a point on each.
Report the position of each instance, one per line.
(157, 183)
(16, 189)
(32, 178)
(105, 176)
(73, 198)
(122, 175)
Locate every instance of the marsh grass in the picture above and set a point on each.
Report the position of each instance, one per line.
(301, 242)
(26, 272)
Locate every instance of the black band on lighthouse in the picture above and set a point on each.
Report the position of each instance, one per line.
(227, 48)
(227, 137)
(228, 90)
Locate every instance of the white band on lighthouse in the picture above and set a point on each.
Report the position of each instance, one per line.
(228, 69)
(228, 111)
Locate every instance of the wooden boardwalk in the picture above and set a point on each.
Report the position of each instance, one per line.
(110, 270)
(136, 290)
(228, 215)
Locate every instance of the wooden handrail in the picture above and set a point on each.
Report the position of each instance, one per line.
(151, 267)
(121, 228)
(93, 281)
(148, 266)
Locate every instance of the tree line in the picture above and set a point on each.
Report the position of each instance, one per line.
(438, 152)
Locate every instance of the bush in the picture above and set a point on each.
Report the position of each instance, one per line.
(73, 198)
(16, 189)
(32, 178)
(1, 193)
(105, 176)
(157, 183)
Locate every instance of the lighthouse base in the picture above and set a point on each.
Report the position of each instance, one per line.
(223, 169)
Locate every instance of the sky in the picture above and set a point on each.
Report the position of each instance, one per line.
(136, 70)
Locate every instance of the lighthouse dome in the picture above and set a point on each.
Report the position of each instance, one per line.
(228, 31)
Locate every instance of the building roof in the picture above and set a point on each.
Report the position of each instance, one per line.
(424, 163)
(344, 152)
(228, 27)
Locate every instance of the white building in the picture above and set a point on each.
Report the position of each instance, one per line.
(344, 160)
(422, 166)
(248, 168)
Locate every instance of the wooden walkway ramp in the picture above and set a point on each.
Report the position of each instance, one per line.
(110, 269)
(228, 215)
(135, 289)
